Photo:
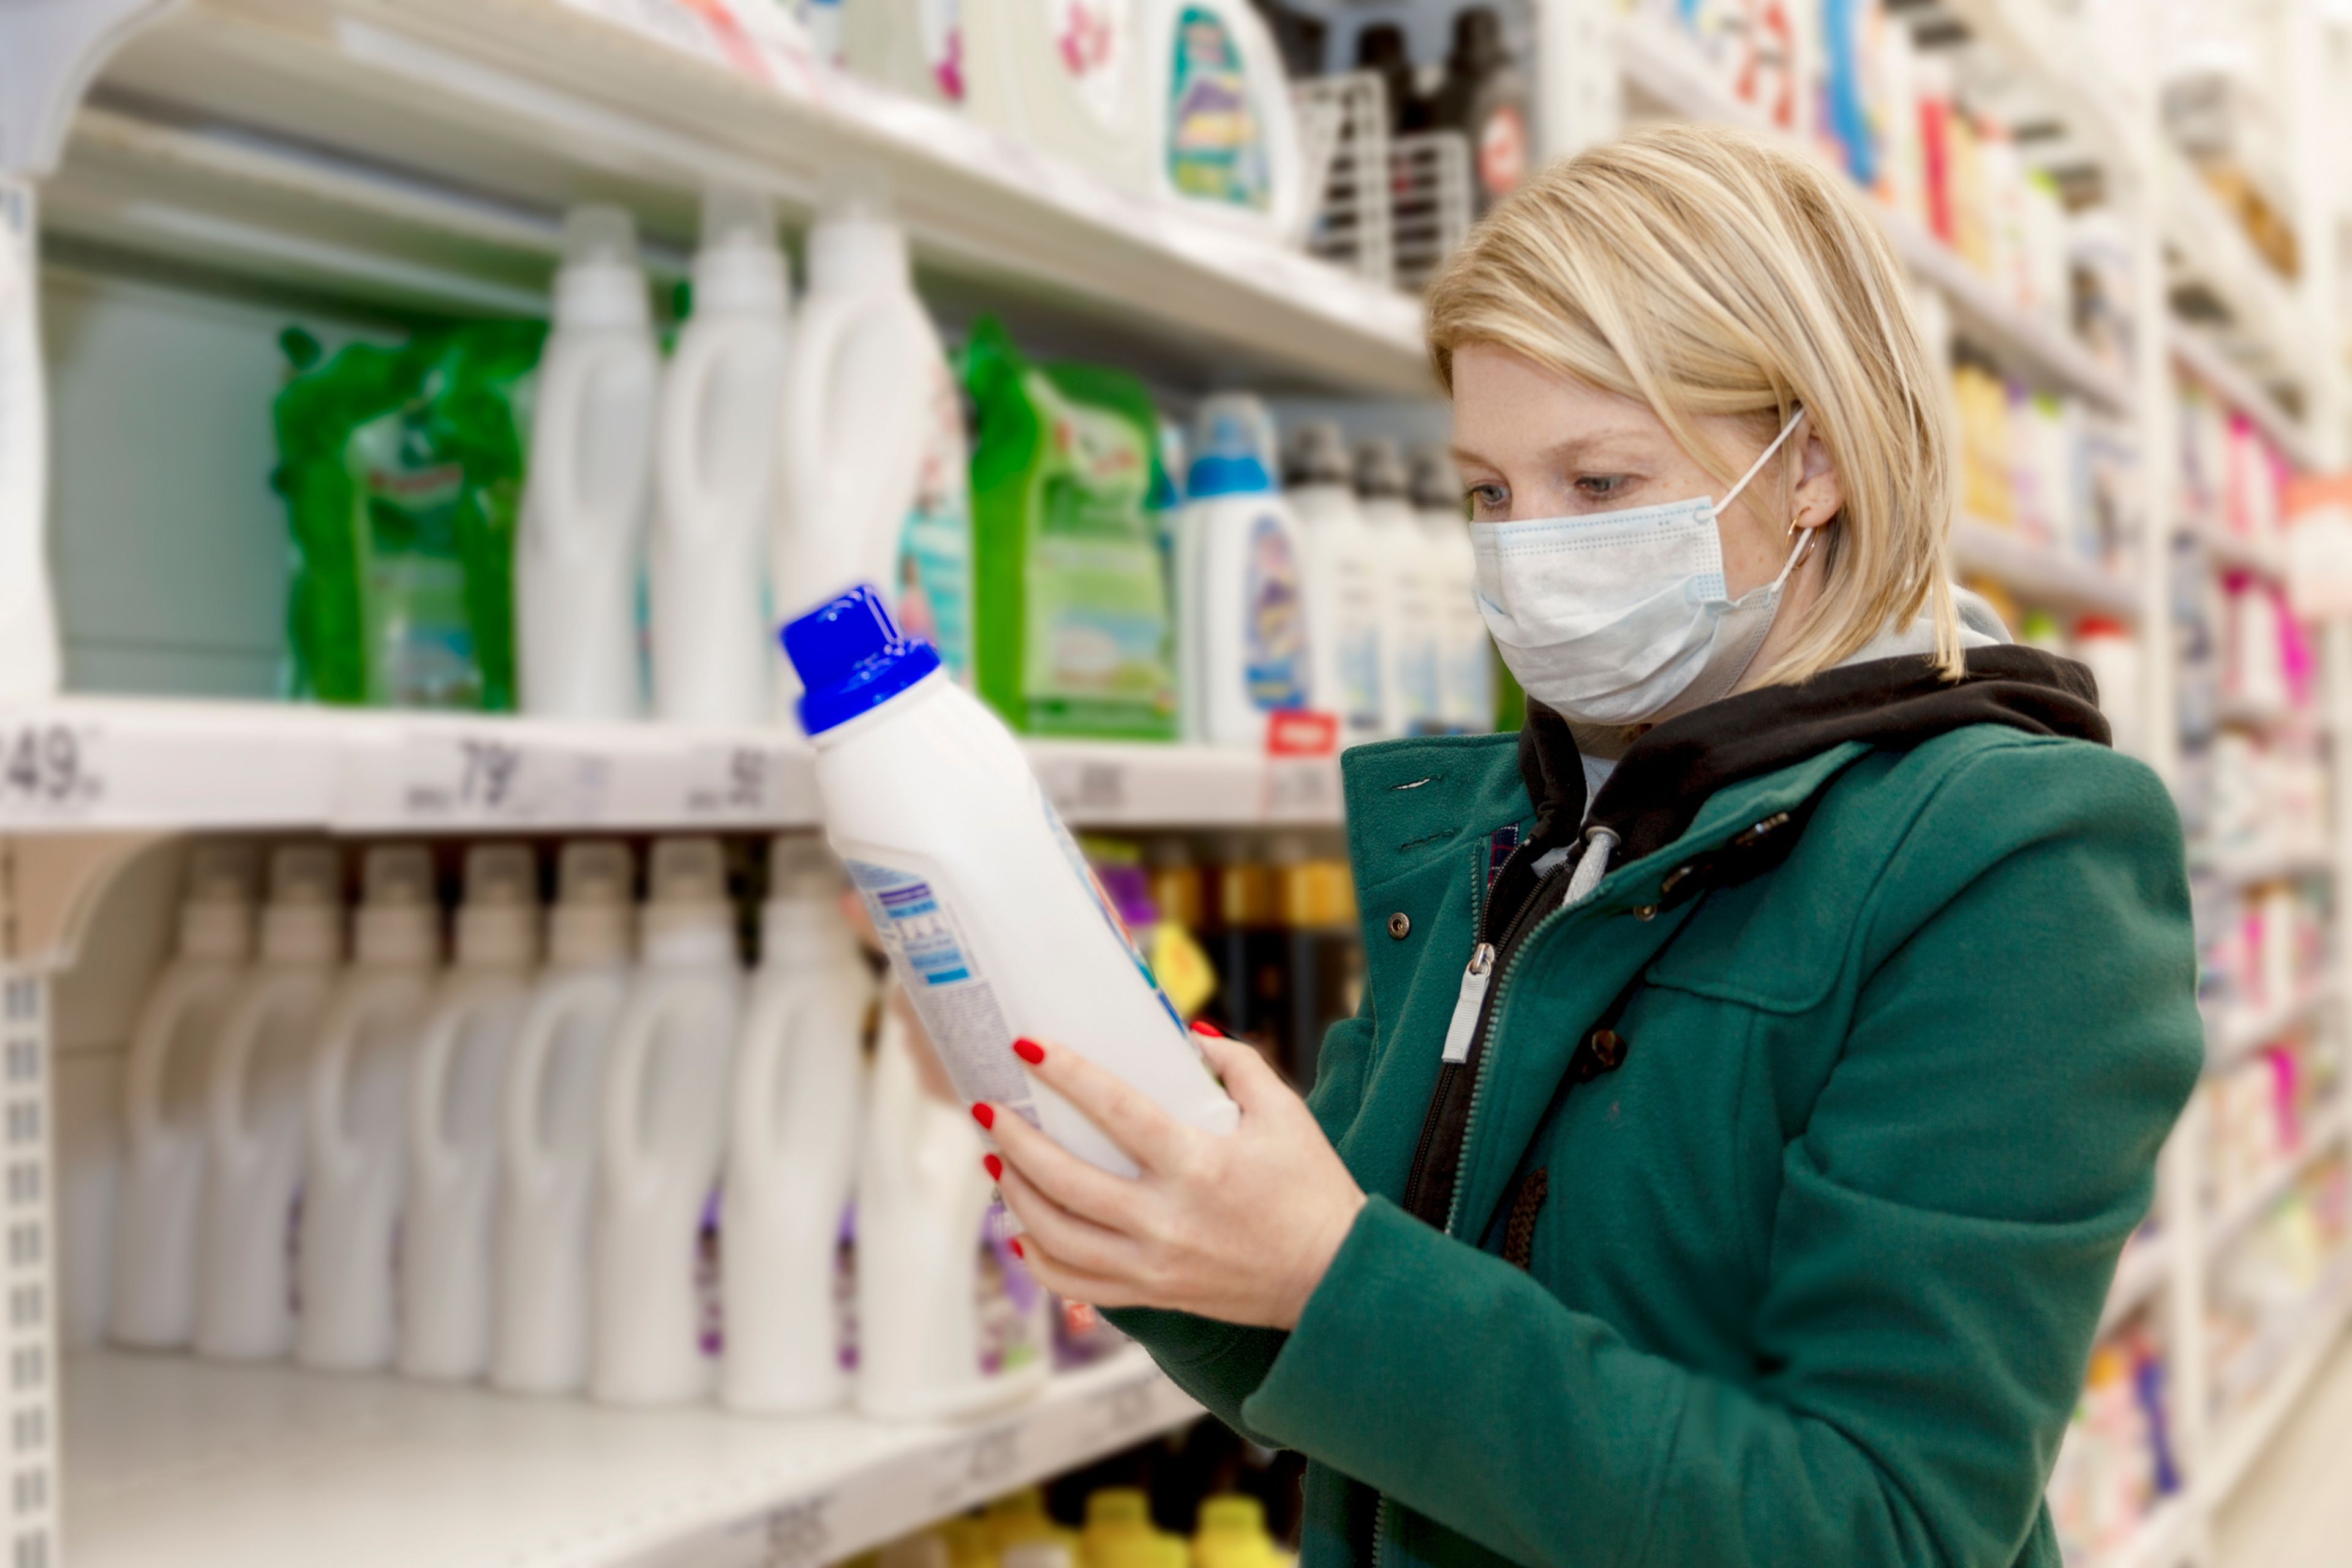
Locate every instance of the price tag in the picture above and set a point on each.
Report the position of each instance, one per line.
(980, 1466)
(483, 778)
(50, 769)
(800, 1533)
(1302, 790)
(1088, 787)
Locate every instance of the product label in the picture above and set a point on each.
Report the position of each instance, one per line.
(1090, 40)
(934, 589)
(416, 632)
(941, 25)
(1216, 144)
(1417, 653)
(954, 1000)
(1275, 634)
(1502, 151)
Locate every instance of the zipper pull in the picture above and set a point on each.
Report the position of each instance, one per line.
(1465, 1007)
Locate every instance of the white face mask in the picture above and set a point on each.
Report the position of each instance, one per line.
(1620, 618)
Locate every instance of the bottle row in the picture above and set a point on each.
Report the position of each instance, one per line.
(2116, 1463)
(2261, 950)
(2058, 474)
(2265, 1287)
(558, 520)
(2262, 1114)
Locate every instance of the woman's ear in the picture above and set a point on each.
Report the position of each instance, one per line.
(1819, 494)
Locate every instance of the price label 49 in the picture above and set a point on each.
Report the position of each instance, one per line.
(51, 769)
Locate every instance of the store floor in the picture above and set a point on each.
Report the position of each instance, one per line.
(2294, 1510)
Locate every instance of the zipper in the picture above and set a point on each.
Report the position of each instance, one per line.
(1485, 1061)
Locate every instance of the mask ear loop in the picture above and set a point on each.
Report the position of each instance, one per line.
(1804, 545)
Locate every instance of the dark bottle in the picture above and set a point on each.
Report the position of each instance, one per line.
(1485, 97)
(1380, 49)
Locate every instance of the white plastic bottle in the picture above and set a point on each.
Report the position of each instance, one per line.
(991, 918)
(1225, 141)
(154, 1305)
(715, 470)
(664, 1133)
(1243, 637)
(252, 1113)
(921, 1198)
(582, 540)
(875, 475)
(1409, 642)
(452, 1119)
(355, 1170)
(31, 665)
(1346, 581)
(1068, 76)
(792, 1149)
(1465, 668)
(913, 47)
(549, 1110)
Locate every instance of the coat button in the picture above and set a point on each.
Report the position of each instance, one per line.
(1608, 1048)
(1400, 925)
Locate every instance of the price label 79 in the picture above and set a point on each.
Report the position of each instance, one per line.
(49, 769)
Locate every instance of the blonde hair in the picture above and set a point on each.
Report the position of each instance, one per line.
(1704, 271)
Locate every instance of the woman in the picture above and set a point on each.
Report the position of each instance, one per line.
(1765, 1057)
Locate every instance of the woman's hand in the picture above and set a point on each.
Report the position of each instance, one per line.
(1238, 1228)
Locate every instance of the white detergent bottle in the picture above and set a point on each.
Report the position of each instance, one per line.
(1066, 75)
(664, 1133)
(31, 663)
(921, 1198)
(356, 1168)
(1409, 643)
(992, 920)
(791, 1147)
(254, 1080)
(1346, 580)
(913, 47)
(1223, 141)
(1465, 668)
(582, 540)
(875, 474)
(715, 471)
(452, 1119)
(1244, 632)
(155, 1216)
(548, 1114)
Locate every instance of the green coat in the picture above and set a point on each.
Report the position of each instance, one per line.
(1818, 1269)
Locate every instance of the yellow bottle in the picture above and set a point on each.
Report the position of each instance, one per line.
(970, 1543)
(1231, 1534)
(1020, 1518)
(1114, 1514)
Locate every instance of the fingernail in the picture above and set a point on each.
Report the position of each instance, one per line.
(1029, 1051)
(1016, 1246)
(983, 1115)
(994, 1167)
(1203, 1027)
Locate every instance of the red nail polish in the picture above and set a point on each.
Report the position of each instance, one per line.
(1203, 1027)
(983, 1115)
(994, 1167)
(1029, 1051)
(1015, 1242)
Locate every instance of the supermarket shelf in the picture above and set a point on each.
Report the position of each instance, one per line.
(1667, 73)
(102, 765)
(2266, 866)
(519, 108)
(2240, 713)
(2236, 1217)
(2142, 1270)
(2230, 1032)
(2041, 576)
(2208, 248)
(2196, 351)
(2240, 1443)
(170, 1459)
(2233, 553)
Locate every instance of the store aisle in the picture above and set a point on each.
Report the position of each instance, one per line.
(2293, 1510)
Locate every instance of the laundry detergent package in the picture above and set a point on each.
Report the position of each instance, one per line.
(1073, 632)
(402, 469)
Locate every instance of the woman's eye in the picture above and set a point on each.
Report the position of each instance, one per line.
(1486, 501)
(1600, 486)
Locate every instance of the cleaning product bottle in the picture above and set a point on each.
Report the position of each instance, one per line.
(1231, 1532)
(922, 1200)
(1410, 639)
(714, 472)
(1224, 139)
(875, 484)
(1243, 636)
(1065, 74)
(356, 1168)
(1485, 97)
(154, 1304)
(591, 486)
(31, 666)
(452, 1119)
(791, 1151)
(1344, 580)
(989, 912)
(1019, 1519)
(1114, 1514)
(664, 1131)
(252, 1113)
(1465, 659)
(914, 46)
(549, 1112)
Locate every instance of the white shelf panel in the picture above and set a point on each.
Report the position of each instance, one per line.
(2275, 865)
(2230, 1032)
(537, 105)
(170, 1460)
(2239, 1444)
(104, 765)
(2041, 576)
(2232, 1220)
(2206, 244)
(2235, 552)
(1667, 72)
(2139, 1273)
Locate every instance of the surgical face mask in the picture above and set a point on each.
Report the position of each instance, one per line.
(1621, 618)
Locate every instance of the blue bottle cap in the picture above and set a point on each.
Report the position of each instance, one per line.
(1216, 474)
(852, 657)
